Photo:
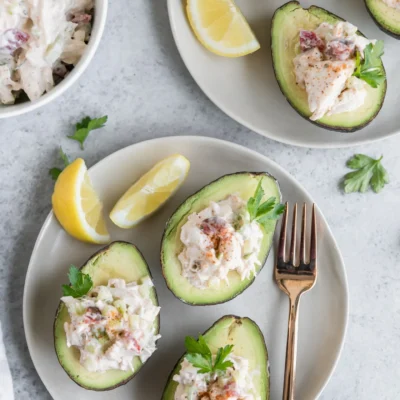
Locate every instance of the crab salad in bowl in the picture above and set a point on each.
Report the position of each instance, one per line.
(40, 44)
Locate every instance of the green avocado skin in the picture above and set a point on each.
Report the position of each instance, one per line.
(248, 342)
(241, 183)
(382, 18)
(278, 30)
(118, 260)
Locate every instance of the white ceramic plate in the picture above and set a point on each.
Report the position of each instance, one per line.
(323, 313)
(246, 88)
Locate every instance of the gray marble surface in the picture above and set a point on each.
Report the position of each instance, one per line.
(139, 80)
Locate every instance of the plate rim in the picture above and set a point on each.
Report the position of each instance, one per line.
(268, 134)
(212, 140)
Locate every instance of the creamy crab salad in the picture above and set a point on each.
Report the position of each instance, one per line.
(236, 383)
(325, 66)
(113, 324)
(40, 42)
(218, 240)
(392, 3)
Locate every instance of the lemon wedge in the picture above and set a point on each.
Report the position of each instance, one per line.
(221, 27)
(77, 206)
(151, 191)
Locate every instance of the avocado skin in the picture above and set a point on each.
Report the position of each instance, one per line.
(321, 124)
(193, 195)
(96, 254)
(380, 26)
(237, 320)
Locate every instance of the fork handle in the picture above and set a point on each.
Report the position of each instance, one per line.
(291, 349)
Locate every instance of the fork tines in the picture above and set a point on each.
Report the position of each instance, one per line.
(305, 266)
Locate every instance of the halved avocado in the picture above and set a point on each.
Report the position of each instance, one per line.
(287, 22)
(242, 183)
(248, 342)
(119, 260)
(387, 18)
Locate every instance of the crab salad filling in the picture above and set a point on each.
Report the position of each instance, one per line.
(218, 240)
(325, 67)
(113, 324)
(235, 383)
(392, 3)
(40, 43)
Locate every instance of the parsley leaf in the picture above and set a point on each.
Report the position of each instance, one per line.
(265, 207)
(263, 212)
(199, 361)
(222, 353)
(358, 161)
(194, 346)
(64, 157)
(83, 124)
(80, 283)
(379, 178)
(370, 69)
(368, 172)
(254, 202)
(83, 128)
(55, 172)
(274, 214)
(199, 355)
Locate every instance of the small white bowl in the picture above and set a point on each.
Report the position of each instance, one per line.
(100, 14)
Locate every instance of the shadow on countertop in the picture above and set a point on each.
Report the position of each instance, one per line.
(27, 384)
(160, 19)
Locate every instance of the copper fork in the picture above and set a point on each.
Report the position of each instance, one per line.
(294, 279)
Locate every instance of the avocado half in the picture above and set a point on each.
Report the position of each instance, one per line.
(387, 18)
(287, 22)
(242, 183)
(119, 260)
(248, 342)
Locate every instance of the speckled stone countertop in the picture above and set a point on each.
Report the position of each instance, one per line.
(139, 80)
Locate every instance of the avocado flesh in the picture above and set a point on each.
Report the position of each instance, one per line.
(287, 22)
(248, 342)
(119, 260)
(244, 184)
(387, 18)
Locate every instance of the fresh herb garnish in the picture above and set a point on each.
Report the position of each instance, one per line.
(368, 172)
(83, 128)
(263, 212)
(220, 364)
(199, 355)
(80, 283)
(370, 69)
(55, 172)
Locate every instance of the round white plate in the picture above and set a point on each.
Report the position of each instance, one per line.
(246, 89)
(323, 312)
